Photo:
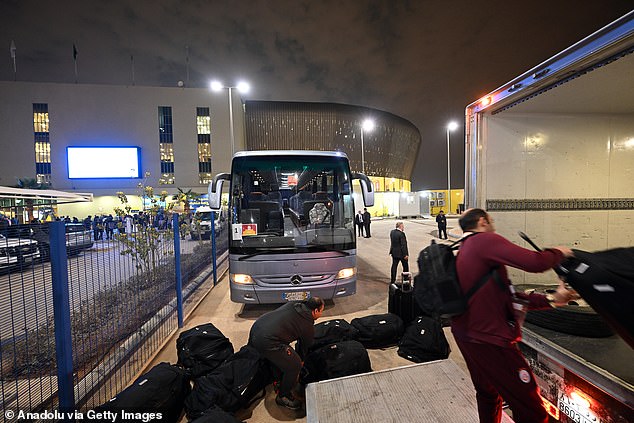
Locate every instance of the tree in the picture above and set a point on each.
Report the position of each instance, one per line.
(185, 197)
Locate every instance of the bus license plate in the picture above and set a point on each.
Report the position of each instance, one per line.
(296, 296)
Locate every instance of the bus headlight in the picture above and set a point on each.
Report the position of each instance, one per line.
(346, 273)
(241, 278)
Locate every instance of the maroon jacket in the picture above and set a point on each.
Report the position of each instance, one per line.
(490, 308)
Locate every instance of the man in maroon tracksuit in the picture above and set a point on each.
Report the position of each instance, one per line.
(487, 333)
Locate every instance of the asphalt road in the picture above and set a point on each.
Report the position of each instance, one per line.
(26, 297)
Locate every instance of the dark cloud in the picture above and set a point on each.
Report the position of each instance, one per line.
(423, 60)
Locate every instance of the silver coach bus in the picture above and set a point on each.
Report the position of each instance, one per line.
(291, 221)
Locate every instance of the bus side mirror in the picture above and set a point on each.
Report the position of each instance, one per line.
(366, 188)
(214, 190)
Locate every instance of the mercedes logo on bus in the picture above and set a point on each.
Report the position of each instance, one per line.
(296, 280)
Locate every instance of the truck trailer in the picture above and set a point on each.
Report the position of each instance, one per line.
(551, 154)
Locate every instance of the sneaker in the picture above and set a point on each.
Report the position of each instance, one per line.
(287, 402)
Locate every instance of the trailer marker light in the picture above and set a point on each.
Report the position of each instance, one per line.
(551, 409)
(486, 101)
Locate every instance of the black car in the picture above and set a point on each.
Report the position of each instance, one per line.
(78, 239)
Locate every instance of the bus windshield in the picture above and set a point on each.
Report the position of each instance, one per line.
(289, 204)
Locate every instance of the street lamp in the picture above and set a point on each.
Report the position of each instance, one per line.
(451, 126)
(367, 125)
(242, 88)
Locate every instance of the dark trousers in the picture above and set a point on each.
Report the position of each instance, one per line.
(367, 230)
(442, 229)
(288, 361)
(360, 229)
(502, 372)
(395, 261)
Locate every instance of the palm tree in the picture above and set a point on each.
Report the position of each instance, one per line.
(185, 197)
(29, 183)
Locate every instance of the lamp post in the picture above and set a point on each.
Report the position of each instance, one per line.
(243, 88)
(367, 125)
(451, 126)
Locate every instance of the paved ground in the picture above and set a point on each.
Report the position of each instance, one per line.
(235, 320)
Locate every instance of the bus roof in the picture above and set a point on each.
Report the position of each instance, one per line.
(290, 153)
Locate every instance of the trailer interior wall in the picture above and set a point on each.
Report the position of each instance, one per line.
(575, 141)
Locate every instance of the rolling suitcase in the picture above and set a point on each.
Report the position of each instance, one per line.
(401, 300)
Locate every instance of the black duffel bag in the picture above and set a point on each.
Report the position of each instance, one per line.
(329, 332)
(232, 386)
(379, 330)
(162, 389)
(202, 349)
(424, 340)
(343, 358)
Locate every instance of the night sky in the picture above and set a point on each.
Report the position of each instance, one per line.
(421, 60)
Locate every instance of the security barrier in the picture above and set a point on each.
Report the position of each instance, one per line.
(81, 313)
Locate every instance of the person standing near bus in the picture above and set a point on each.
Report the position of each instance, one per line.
(367, 219)
(441, 220)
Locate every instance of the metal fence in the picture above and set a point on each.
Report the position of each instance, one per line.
(82, 313)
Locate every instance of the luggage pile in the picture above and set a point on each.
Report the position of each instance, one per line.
(423, 338)
(223, 382)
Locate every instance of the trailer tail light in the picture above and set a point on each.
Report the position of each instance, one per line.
(580, 399)
(551, 409)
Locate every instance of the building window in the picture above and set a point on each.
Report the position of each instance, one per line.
(42, 143)
(166, 145)
(203, 129)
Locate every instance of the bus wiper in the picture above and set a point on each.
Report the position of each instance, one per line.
(324, 248)
(266, 251)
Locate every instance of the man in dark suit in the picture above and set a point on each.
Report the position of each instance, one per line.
(358, 220)
(441, 219)
(366, 222)
(398, 250)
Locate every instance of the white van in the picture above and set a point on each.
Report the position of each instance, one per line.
(200, 227)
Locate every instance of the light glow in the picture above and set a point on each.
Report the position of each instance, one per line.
(241, 279)
(368, 125)
(103, 162)
(243, 87)
(216, 85)
(346, 273)
(452, 126)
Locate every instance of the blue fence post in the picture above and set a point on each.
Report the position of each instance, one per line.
(214, 264)
(177, 268)
(61, 316)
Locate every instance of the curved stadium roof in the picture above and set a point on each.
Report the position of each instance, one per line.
(390, 149)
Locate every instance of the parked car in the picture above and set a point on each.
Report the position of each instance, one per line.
(78, 239)
(17, 252)
(201, 224)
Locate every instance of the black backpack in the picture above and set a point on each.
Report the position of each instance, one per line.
(202, 349)
(436, 287)
(424, 340)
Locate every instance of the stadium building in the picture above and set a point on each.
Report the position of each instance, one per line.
(180, 138)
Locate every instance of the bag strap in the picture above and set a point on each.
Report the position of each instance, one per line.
(483, 280)
(454, 244)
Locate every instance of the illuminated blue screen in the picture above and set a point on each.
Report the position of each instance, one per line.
(103, 162)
